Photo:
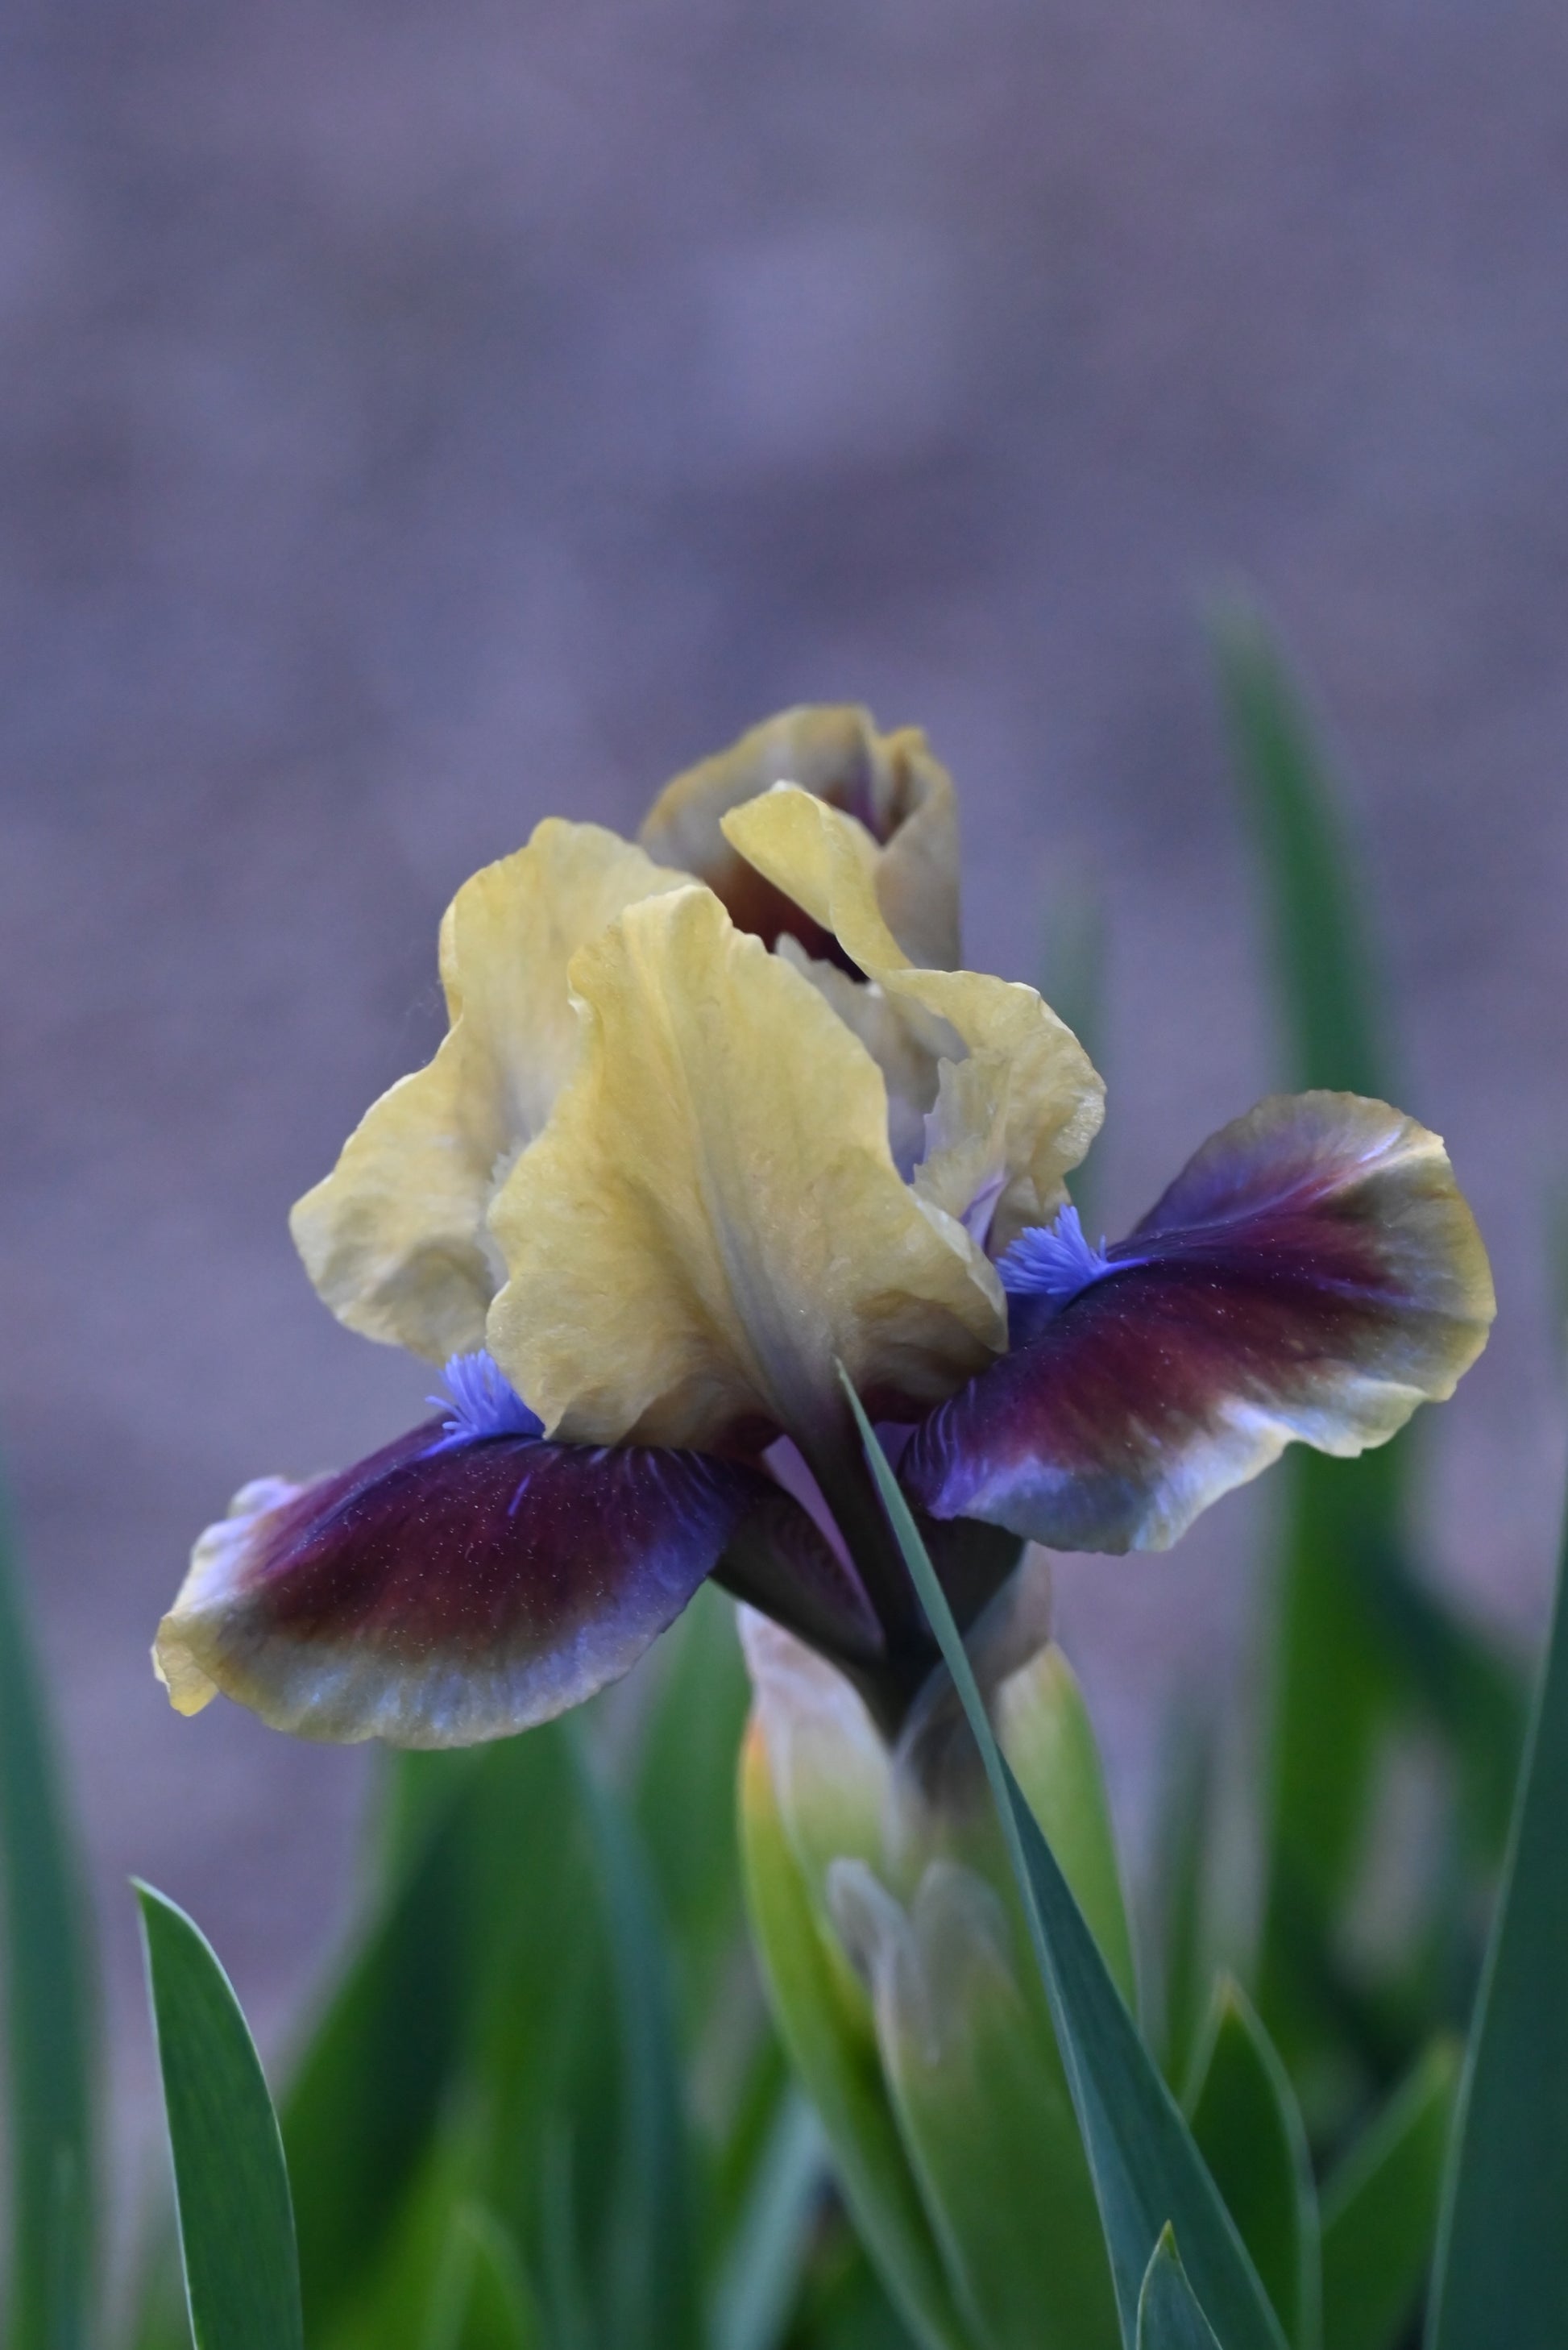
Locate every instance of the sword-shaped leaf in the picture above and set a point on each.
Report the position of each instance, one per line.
(231, 2187)
(1168, 2317)
(50, 2007)
(1147, 2172)
(1502, 2258)
(1360, 1638)
(1249, 2130)
(652, 2296)
(1380, 2210)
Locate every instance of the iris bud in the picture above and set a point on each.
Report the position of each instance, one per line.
(907, 1996)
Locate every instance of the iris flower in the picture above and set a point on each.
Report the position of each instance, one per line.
(715, 1115)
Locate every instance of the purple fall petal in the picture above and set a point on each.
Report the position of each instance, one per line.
(1313, 1273)
(439, 1594)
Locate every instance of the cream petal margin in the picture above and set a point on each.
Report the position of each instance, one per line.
(713, 1216)
(1018, 1100)
(395, 1238)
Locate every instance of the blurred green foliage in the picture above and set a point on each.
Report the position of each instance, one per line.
(1363, 1654)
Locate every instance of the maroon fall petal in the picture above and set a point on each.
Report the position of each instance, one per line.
(439, 1594)
(1312, 1274)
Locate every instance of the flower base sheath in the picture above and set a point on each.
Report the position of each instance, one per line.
(715, 1116)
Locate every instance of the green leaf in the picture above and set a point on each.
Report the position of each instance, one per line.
(846, 2305)
(1073, 966)
(683, 1796)
(483, 1863)
(978, 2086)
(231, 2187)
(970, 2053)
(739, 2119)
(1168, 2317)
(50, 2016)
(1147, 2172)
(833, 2049)
(1380, 2210)
(483, 2299)
(1182, 1845)
(1073, 982)
(756, 2290)
(1322, 938)
(1044, 1725)
(1359, 1638)
(1333, 1683)
(568, 2321)
(1333, 1695)
(416, 2286)
(359, 2110)
(1249, 2130)
(650, 2261)
(1502, 2260)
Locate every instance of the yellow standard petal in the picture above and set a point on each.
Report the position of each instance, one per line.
(713, 1215)
(395, 1238)
(889, 783)
(1016, 1101)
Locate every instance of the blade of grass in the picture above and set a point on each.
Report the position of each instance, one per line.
(1147, 2172)
(50, 2018)
(231, 2187)
(1502, 2273)
(1168, 2317)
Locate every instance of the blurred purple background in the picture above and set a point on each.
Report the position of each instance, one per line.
(419, 419)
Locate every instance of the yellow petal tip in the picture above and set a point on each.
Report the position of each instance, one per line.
(190, 1689)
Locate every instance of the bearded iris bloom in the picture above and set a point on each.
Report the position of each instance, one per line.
(716, 1114)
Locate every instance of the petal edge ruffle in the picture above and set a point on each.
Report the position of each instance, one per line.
(394, 1238)
(1010, 1099)
(439, 1595)
(1313, 1275)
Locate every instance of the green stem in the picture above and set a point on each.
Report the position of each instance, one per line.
(888, 1685)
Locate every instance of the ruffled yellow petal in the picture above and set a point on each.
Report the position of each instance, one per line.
(713, 1215)
(1016, 1101)
(889, 783)
(395, 1238)
(894, 1041)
